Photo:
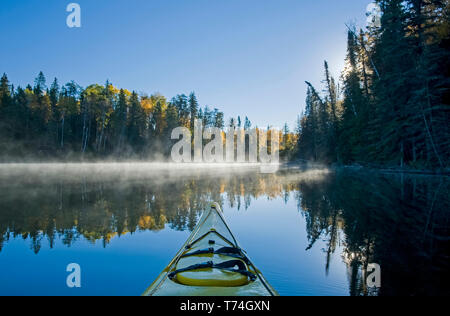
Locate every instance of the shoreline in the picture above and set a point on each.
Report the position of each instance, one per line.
(378, 169)
(283, 165)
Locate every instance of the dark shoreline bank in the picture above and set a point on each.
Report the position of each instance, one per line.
(372, 168)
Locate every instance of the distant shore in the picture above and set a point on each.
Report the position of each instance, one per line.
(284, 165)
(369, 167)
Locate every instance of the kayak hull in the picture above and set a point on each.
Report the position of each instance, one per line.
(197, 269)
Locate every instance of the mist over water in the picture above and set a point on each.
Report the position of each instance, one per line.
(160, 171)
(311, 232)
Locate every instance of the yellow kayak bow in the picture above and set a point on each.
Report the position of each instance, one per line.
(211, 263)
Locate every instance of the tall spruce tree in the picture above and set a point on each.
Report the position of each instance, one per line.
(193, 108)
(136, 123)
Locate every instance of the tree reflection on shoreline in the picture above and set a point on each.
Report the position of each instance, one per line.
(400, 222)
(101, 209)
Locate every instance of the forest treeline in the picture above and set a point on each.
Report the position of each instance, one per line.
(392, 106)
(101, 121)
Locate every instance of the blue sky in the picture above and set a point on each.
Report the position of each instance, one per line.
(246, 57)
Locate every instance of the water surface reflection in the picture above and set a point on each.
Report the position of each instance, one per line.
(343, 221)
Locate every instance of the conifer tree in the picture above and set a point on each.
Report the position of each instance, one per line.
(193, 108)
(136, 122)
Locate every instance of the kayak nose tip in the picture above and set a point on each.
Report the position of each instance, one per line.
(216, 206)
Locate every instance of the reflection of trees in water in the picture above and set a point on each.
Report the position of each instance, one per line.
(101, 210)
(399, 222)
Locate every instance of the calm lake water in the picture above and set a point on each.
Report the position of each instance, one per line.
(309, 232)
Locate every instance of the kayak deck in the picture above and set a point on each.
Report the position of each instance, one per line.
(211, 263)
